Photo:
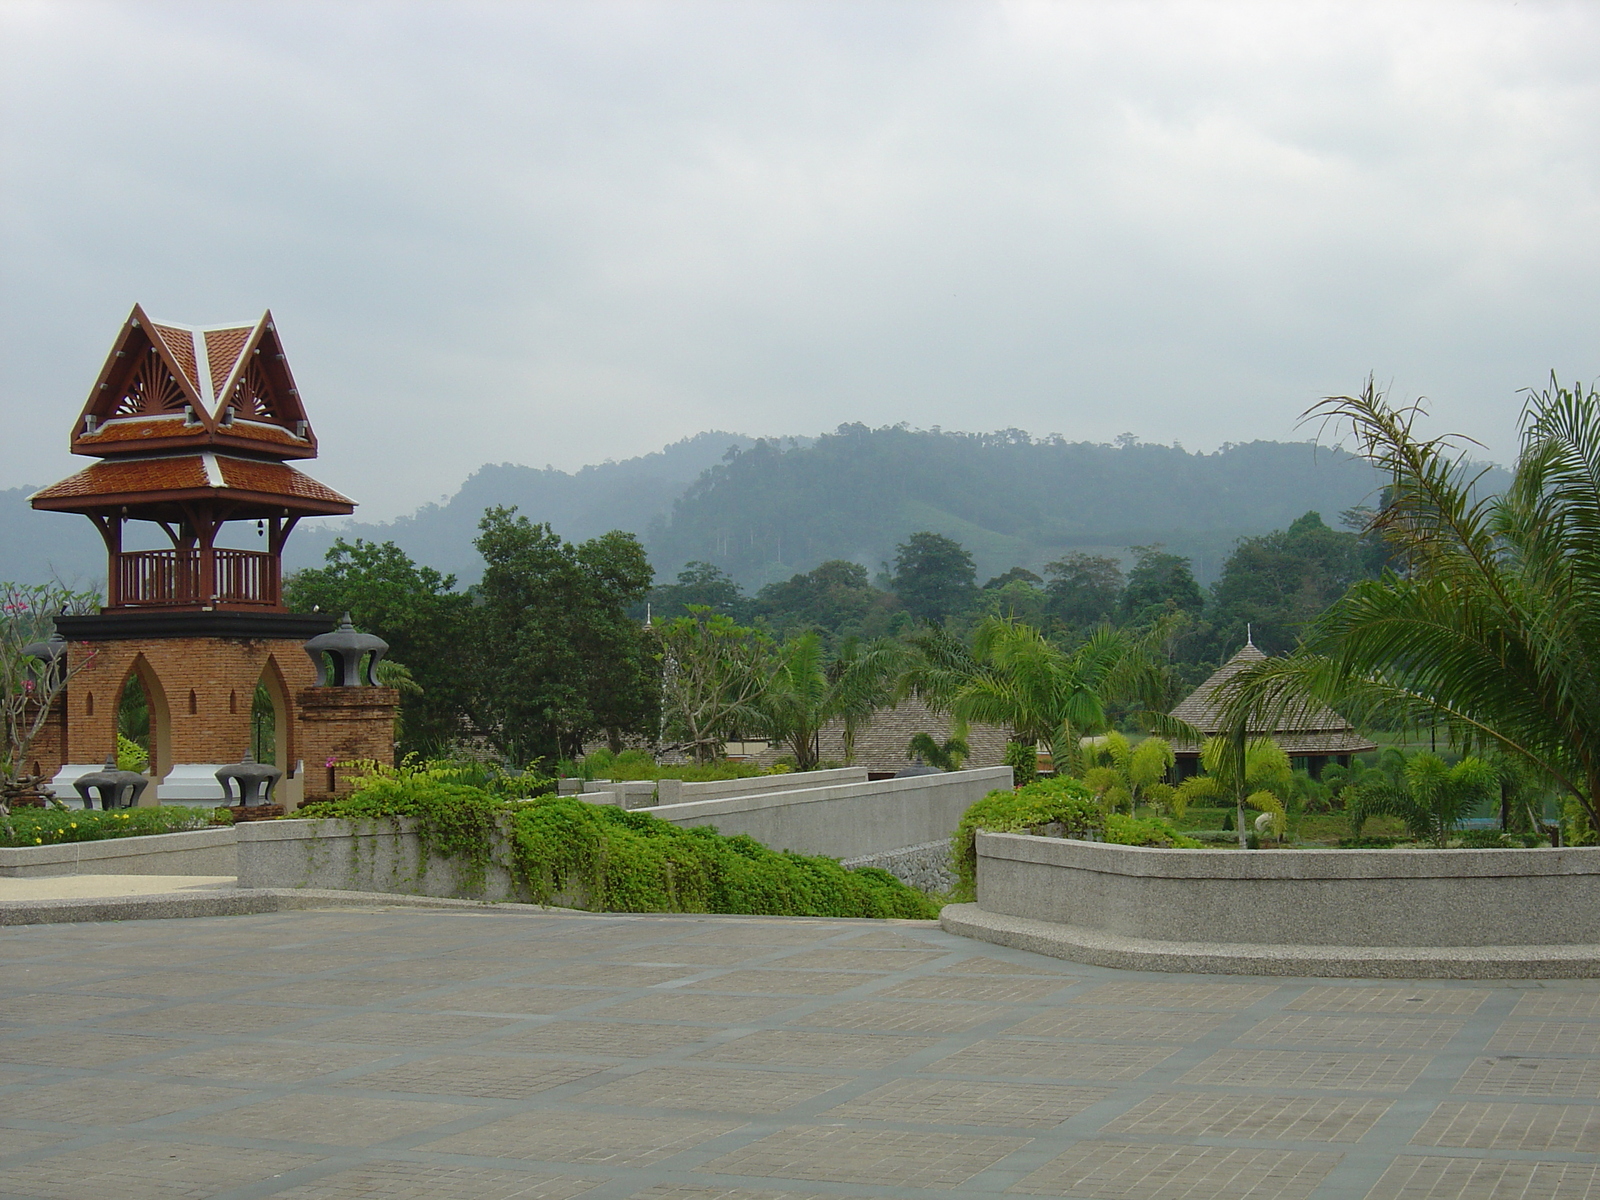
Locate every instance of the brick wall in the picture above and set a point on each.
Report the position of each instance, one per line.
(200, 691)
(344, 724)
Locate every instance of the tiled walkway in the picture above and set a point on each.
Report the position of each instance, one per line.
(427, 1055)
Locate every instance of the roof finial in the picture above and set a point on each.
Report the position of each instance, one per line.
(1248, 640)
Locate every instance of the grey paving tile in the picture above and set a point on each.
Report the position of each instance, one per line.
(80, 1049)
(24, 1141)
(1546, 1037)
(712, 1089)
(1430, 1178)
(609, 975)
(1351, 1033)
(673, 1191)
(1473, 1126)
(999, 1059)
(1410, 999)
(1162, 994)
(604, 1038)
(148, 1170)
(569, 1136)
(420, 1181)
(100, 1101)
(1002, 989)
(981, 965)
(1512, 1076)
(172, 985)
(1327, 1069)
(338, 993)
(699, 1006)
(53, 1008)
(264, 1063)
(802, 1048)
(887, 940)
(842, 958)
(1253, 1118)
(331, 1120)
(513, 999)
(1571, 1004)
(400, 1029)
(1116, 1025)
(192, 1019)
(783, 983)
(902, 1016)
(503, 1077)
(969, 1102)
(1121, 1171)
(881, 1157)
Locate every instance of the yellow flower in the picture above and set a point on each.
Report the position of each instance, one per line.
(37, 841)
(74, 824)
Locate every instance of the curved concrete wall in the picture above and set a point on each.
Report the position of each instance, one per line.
(1376, 898)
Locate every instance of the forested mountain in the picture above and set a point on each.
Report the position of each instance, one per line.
(627, 495)
(763, 511)
(771, 511)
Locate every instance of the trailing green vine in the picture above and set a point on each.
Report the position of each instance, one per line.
(614, 860)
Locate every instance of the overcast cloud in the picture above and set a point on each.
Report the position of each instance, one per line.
(565, 232)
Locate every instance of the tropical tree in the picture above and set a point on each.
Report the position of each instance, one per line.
(947, 755)
(1489, 628)
(1429, 796)
(1120, 773)
(713, 675)
(1249, 772)
(30, 685)
(1016, 677)
(934, 576)
(806, 692)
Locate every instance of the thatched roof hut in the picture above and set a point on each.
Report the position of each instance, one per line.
(1314, 732)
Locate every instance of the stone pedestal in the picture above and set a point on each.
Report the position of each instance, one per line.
(340, 725)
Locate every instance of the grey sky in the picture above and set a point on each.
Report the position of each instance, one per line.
(565, 232)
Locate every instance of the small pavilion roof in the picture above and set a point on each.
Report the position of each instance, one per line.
(1312, 728)
(167, 385)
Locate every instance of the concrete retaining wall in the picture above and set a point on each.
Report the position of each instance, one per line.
(1364, 898)
(847, 820)
(361, 856)
(197, 852)
(676, 791)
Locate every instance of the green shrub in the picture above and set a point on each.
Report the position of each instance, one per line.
(1368, 843)
(1058, 801)
(53, 827)
(623, 861)
(1483, 839)
(1123, 830)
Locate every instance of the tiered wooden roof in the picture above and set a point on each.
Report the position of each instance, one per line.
(1312, 729)
(186, 413)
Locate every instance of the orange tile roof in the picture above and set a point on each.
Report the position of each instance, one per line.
(223, 347)
(134, 429)
(248, 475)
(181, 343)
(189, 472)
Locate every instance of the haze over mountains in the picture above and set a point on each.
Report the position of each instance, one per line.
(765, 509)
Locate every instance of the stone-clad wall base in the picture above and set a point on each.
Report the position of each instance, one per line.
(193, 852)
(925, 867)
(1222, 958)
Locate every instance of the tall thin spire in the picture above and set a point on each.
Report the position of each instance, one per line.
(1248, 639)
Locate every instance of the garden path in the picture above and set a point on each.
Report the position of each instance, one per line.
(476, 1055)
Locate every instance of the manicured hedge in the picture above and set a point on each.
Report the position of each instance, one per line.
(52, 826)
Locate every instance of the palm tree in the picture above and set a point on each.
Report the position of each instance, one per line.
(805, 692)
(1017, 677)
(1118, 772)
(1251, 772)
(1491, 628)
(1430, 797)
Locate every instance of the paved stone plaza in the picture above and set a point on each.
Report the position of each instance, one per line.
(475, 1055)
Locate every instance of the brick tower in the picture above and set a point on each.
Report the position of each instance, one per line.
(193, 430)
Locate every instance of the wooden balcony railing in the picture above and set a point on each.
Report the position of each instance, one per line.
(194, 578)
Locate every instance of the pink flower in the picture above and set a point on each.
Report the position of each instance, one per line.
(329, 763)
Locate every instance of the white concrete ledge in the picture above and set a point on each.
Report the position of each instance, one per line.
(1274, 898)
(192, 852)
(1102, 949)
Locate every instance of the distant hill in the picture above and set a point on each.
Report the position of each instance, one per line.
(764, 510)
(854, 494)
(630, 495)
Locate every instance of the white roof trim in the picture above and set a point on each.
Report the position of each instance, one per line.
(213, 470)
(202, 367)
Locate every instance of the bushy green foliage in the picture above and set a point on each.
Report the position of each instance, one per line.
(130, 755)
(623, 861)
(1123, 830)
(1047, 802)
(52, 826)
